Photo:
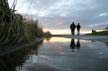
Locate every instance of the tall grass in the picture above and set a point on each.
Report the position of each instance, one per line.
(12, 27)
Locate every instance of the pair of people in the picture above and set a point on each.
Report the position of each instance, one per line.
(73, 26)
(75, 46)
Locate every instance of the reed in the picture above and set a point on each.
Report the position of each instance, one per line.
(12, 28)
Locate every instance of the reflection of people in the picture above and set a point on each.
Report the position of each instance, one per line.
(78, 28)
(92, 41)
(72, 44)
(78, 44)
(72, 27)
(106, 43)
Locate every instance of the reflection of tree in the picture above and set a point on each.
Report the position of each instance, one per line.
(93, 41)
(106, 43)
(48, 39)
(74, 44)
(10, 61)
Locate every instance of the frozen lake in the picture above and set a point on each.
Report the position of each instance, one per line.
(58, 54)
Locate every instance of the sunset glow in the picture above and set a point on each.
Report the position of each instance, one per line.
(65, 31)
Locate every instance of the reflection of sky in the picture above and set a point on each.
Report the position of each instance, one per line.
(57, 39)
(92, 14)
(57, 54)
(61, 40)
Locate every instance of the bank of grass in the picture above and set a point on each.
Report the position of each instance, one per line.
(13, 27)
(99, 33)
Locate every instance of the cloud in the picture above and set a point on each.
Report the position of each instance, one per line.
(87, 12)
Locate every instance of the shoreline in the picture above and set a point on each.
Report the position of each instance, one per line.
(103, 38)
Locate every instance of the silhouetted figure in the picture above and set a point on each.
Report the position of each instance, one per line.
(78, 44)
(78, 28)
(72, 27)
(72, 45)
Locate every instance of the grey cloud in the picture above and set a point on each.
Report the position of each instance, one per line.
(88, 12)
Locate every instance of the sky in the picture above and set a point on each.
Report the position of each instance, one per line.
(57, 15)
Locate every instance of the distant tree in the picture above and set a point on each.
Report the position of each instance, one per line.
(47, 34)
(93, 31)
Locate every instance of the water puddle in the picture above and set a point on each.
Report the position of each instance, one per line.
(58, 54)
